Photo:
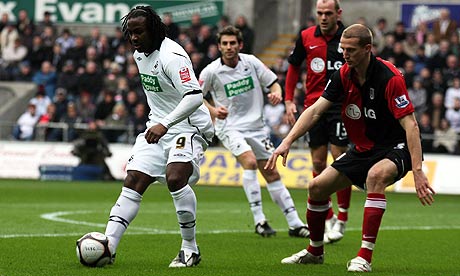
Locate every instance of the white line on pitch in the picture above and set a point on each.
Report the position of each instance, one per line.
(133, 230)
(166, 232)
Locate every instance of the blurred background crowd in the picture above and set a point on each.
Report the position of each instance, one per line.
(93, 80)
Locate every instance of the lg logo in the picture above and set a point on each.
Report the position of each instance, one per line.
(353, 112)
(334, 66)
(369, 113)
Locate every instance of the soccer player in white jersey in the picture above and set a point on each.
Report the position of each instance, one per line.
(178, 129)
(235, 82)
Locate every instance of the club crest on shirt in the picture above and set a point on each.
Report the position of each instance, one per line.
(184, 74)
(401, 101)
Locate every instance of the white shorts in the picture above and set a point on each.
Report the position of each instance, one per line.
(152, 159)
(239, 142)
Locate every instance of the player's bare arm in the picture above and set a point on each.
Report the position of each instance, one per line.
(308, 119)
(211, 108)
(424, 191)
(220, 112)
(275, 96)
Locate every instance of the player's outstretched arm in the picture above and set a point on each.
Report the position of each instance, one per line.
(424, 191)
(283, 150)
(308, 118)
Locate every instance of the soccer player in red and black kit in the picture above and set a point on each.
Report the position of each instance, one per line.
(319, 46)
(380, 122)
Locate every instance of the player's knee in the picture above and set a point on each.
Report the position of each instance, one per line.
(314, 190)
(137, 181)
(176, 181)
(130, 180)
(379, 176)
(250, 164)
(318, 165)
(271, 176)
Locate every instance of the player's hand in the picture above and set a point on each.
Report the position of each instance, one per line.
(283, 150)
(154, 133)
(221, 112)
(424, 191)
(291, 109)
(274, 98)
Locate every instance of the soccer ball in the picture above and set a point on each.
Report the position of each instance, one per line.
(93, 249)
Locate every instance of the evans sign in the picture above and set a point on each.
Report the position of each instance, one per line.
(109, 11)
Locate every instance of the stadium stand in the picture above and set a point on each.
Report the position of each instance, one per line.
(98, 64)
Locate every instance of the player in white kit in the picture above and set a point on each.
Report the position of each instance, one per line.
(178, 129)
(235, 82)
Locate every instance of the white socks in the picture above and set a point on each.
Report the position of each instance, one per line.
(121, 215)
(281, 196)
(252, 189)
(185, 203)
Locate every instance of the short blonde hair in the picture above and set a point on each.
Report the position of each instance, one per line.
(359, 31)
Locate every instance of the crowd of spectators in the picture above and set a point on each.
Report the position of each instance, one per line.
(82, 79)
(85, 79)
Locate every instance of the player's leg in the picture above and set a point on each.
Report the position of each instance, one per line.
(343, 202)
(184, 199)
(126, 207)
(235, 141)
(384, 173)
(379, 177)
(281, 196)
(318, 141)
(182, 172)
(253, 193)
(319, 162)
(136, 182)
(320, 188)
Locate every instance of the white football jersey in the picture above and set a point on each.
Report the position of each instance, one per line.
(166, 75)
(238, 89)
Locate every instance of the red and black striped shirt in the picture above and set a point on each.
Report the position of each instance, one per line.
(371, 112)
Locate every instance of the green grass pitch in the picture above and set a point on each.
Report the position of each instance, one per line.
(41, 220)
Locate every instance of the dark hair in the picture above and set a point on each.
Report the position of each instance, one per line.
(230, 30)
(154, 24)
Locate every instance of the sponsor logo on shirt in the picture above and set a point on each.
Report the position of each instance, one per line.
(239, 87)
(401, 101)
(317, 65)
(352, 111)
(184, 74)
(150, 83)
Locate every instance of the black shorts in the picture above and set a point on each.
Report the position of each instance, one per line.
(355, 165)
(328, 129)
